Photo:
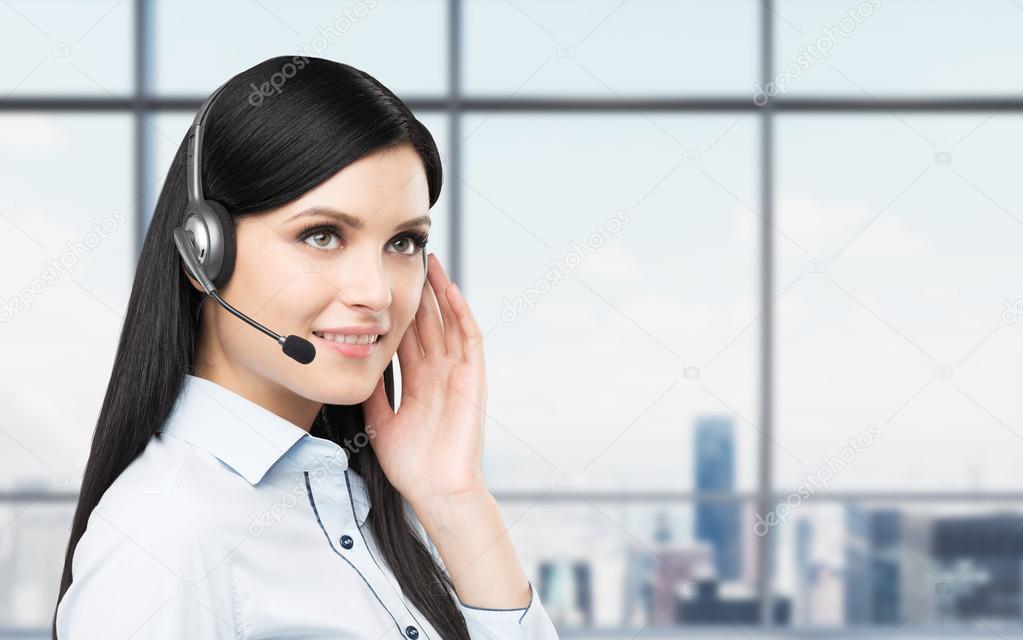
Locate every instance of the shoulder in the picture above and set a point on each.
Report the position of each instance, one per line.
(149, 563)
(149, 519)
(171, 474)
(147, 532)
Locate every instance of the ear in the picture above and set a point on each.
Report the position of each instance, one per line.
(195, 283)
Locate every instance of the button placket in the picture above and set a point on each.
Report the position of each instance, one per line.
(340, 514)
(402, 611)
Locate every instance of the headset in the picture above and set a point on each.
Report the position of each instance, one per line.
(206, 238)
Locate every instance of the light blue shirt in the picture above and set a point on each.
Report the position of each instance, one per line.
(236, 523)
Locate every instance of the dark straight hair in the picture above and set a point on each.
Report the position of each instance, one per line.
(276, 131)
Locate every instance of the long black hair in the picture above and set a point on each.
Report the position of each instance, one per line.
(276, 131)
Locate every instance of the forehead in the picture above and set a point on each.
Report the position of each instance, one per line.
(380, 188)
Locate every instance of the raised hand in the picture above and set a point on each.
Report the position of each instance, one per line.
(433, 445)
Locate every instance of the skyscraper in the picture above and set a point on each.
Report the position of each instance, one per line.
(717, 523)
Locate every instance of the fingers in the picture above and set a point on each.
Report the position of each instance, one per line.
(472, 337)
(444, 321)
(429, 323)
(410, 352)
(453, 338)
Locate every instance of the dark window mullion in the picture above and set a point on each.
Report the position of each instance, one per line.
(765, 543)
(142, 143)
(454, 107)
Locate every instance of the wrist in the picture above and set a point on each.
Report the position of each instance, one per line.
(464, 488)
(474, 544)
(439, 513)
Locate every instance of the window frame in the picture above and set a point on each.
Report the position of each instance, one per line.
(142, 104)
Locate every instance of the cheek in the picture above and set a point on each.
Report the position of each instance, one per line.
(407, 302)
(303, 298)
(403, 310)
(276, 286)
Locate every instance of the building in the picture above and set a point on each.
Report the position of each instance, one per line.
(717, 523)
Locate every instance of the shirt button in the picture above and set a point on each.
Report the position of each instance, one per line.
(347, 542)
(411, 632)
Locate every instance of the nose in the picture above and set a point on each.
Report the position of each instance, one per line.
(362, 281)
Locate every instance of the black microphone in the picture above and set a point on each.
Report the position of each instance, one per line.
(299, 349)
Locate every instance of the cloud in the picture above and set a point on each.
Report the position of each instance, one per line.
(29, 132)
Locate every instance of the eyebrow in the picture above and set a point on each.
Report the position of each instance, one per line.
(353, 221)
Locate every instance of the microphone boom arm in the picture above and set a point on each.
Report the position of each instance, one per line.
(276, 336)
(295, 347)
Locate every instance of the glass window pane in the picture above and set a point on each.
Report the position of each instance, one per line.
(35, 536)
(611, 261)
(68, 252)
(898, 301)
(906, 48)
(623, 569)
(609, 48)
(64, 47)
(945, 566)
(366, 35)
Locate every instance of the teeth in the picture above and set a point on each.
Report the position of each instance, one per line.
(348, 338)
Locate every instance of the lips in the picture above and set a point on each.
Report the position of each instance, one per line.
(348, 349)
(348, 338)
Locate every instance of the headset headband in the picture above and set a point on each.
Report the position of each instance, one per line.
(196, 198)
(194, 170)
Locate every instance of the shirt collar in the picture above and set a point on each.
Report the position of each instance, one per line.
(251, 439)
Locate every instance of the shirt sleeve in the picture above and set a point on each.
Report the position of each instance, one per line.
(528, 623)
(148, 567)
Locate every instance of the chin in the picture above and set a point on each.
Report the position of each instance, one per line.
(345, 390)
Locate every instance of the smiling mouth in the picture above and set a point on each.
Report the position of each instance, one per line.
(349, 338)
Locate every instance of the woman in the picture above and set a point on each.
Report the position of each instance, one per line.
(233, 492)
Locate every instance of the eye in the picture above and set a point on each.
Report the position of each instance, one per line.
(319, 237)
(411, 243)
(319, 234)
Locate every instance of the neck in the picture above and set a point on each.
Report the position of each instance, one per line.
(213, 364)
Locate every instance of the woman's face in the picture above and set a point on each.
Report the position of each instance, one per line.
(342, 255)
